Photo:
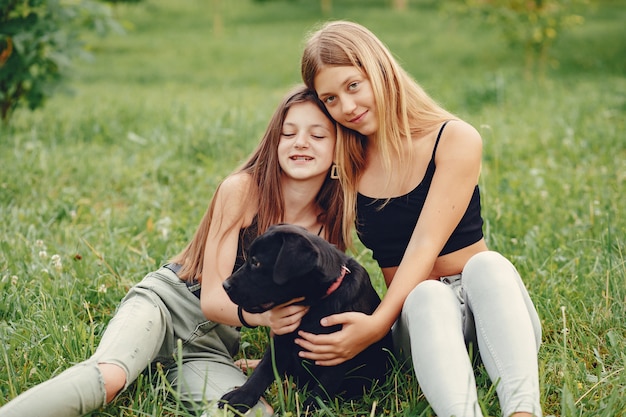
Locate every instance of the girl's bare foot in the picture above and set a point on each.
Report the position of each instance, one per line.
(247, 364)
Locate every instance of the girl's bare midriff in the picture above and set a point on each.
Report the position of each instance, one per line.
(450, 264)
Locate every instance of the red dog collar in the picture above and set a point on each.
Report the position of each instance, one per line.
(337, 283)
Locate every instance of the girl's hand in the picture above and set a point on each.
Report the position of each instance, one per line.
(338, 347)
(285, 318)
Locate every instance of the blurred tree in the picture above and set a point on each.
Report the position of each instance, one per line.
(218, 25)
(533, 25)
(38, 41)
(400, 4)
(327, 7)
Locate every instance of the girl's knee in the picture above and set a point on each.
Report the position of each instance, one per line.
(488, 268)
(427, 297)
(485, 262)
(423, 293)
(114, 378)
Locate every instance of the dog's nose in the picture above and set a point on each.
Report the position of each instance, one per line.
(226, 285)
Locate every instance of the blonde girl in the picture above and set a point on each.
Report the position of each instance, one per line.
(409, 171)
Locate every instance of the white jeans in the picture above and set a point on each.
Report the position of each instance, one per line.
(486, 305)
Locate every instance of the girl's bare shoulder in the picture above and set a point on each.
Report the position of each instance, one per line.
(237, 192)
(460, 138)
(237, 185)
(458, 129)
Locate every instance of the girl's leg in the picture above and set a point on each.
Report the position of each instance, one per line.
(132, 340)
(507, 328)
(206, 350)
(201, 383)
(76, 391)
(432, 315)
(128, 344)
(114, 379)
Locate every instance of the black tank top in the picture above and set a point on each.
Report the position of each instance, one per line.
(246, 236)
(387, 228)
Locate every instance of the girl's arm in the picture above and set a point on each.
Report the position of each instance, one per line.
(232, 212)
(458, 160)
(229, 216)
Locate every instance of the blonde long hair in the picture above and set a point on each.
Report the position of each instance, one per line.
(264, 169)
(404, 109)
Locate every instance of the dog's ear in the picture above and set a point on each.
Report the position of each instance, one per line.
(297, 256)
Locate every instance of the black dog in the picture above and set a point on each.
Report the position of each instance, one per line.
(287, 262)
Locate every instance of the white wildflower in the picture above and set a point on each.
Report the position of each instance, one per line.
(163, 226)
(56, 262)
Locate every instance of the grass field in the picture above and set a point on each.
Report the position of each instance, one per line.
(104, 184)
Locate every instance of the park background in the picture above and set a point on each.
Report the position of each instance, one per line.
(112, 175)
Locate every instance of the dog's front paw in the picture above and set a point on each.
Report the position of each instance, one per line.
(311, 403)
(238, 399)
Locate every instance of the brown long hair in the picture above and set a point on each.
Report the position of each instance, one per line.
(264, 169)
(404, 109)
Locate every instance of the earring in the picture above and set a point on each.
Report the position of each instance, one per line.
(334, 172)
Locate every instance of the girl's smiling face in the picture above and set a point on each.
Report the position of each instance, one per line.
(307, 142)
(348, 96)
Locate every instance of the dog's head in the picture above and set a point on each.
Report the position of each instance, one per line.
(284, 263)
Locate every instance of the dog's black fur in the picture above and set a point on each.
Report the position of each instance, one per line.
(288, 262)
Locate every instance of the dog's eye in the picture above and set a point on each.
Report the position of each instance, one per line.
(254, 262)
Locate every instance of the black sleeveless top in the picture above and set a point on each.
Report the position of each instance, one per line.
(387, 228)
(246, 236)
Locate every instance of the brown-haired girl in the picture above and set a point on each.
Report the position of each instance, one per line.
(287, 179)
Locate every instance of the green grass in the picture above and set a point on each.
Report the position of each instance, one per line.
(114, 178)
